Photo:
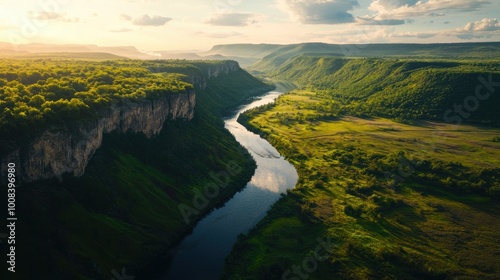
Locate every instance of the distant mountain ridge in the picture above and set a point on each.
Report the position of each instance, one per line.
(7, 49)
(277, 58)
(262, 57)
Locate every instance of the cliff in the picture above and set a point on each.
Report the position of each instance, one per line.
(55, 153)
(131, 187)
(212, 70)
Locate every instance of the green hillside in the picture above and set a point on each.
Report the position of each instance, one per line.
(275, 59)
(398, 162)
(376, 199)
(243, 50)
(124, 211)
(402, 89)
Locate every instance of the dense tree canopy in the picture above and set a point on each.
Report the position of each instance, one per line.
(38, 93)
(401, 89)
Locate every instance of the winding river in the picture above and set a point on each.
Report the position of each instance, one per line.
(201, 255)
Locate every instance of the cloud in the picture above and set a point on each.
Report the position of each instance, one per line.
(419, 35)
(486, 24)
(120, 30)
(367, 20)
(401, 9)
(232, 19)
(391, 4)
(485, 28)
(470, 36)
(146, 20)
(126, 17)
(45, 16)
(319, 11)
(425, 35)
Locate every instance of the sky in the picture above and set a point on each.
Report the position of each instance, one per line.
(154, 25)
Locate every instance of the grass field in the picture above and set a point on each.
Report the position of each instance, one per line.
(398, 201)
(470, 145)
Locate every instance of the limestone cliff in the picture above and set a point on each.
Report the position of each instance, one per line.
(55, 153)
(213, 70)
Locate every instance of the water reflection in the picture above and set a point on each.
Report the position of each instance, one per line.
(201, 255)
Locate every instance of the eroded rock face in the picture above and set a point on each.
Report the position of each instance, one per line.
(55, 153)
(214, 70)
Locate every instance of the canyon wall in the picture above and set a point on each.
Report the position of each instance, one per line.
(59, 151)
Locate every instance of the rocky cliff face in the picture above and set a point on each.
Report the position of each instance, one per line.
(214, 70)
(55, 153)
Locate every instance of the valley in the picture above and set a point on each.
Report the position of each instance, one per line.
(389, 184)
(120, 208)
(397, 154)
(398, 200)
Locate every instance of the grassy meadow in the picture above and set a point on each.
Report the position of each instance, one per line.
(396, 201)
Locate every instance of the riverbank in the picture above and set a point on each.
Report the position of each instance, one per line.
(346, 219)
(201, 254)
(123, 211)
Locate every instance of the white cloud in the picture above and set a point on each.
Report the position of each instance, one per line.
(485, 28)
(146, 20)
(425, 35)
(232, 19)
(319, 11)
(391, 4)
(401, 9)
(126, 17)
(470, 36)
(370, 20)
(46, 16)
(437, 14)
(486, 24)
(419, 35)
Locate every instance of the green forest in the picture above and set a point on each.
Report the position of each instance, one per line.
(398, 161)
(397, 179)
(398, 88)
(123, 211)
(39, 93)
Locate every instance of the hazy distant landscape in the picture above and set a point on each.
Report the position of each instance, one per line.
(287, 139)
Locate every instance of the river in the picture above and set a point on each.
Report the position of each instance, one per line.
(201, 255)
